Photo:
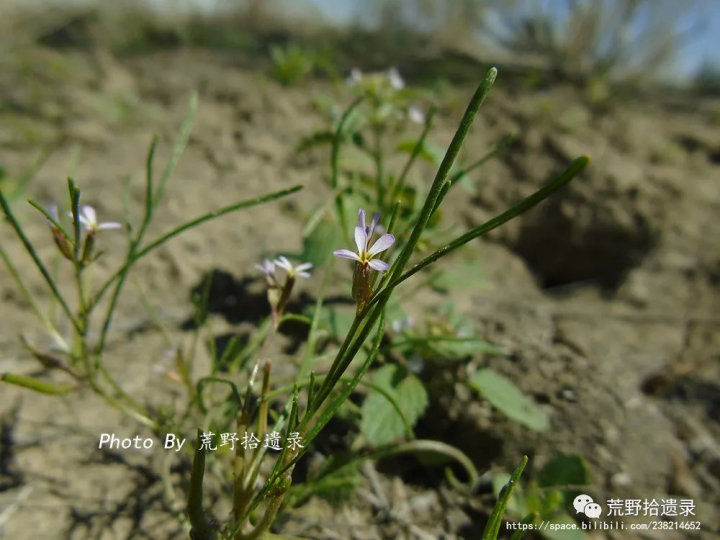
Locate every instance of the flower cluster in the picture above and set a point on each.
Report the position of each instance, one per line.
(384, 87)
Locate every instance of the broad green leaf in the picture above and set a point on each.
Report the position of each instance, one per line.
(466, 273)
(320, 243)
(505, 396)
(340, 320)
(381, 424)
(564, 470)
(428, 151)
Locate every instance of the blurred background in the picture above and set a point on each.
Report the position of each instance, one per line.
(604, 300)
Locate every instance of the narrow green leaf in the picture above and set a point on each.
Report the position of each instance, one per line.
(512, 212)
(178, 147)
(202, 527)
(36, 385)
(492, 528)
(38, 262)
(189, 225)
(517, 503)
(208, 380)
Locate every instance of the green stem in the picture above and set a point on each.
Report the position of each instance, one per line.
(335, 159)
(445, 166)
(36, 259)
(398, 186)
(30, 299)
(573, 170)
(188, 225)
(377, 155)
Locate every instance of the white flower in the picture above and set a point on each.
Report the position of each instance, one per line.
(416, 115)
(396, 81)
(355, 77)
(366, 253)
(88, 219)
(267, 267)
(292, 271)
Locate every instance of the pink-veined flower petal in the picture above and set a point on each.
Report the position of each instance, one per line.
(304, 266)
(377, 264)
(361, 218)
(303, 274)
(361, 239)
(382, 243)
(346, 254)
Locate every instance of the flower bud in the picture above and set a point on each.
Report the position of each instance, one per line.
(361, 288)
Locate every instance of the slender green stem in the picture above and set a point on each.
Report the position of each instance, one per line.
(335, 159)
(573, 170)
(492, 528)
(377, 154)
(133, 246)
(177, 148)
(50, 218)
(202, 528)
(188, 225)
(281, 467)
(74, 194)
(30, 299)
(306, 362)
(445, 166)
(36, 259)
(398, 186)
(499, 147)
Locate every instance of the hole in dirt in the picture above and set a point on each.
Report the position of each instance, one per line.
(236, 299)
(688, 142)
(10, 476)
(686, 388)
(244, 299)
(564, 243)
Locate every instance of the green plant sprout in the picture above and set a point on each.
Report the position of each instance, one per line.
(545, 497)
(266, 411)
(292, 63)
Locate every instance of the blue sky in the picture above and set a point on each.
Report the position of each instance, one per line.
(698, 19)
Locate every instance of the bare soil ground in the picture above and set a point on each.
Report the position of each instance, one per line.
(606, 298)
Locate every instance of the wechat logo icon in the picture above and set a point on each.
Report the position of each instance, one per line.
(584, 504)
